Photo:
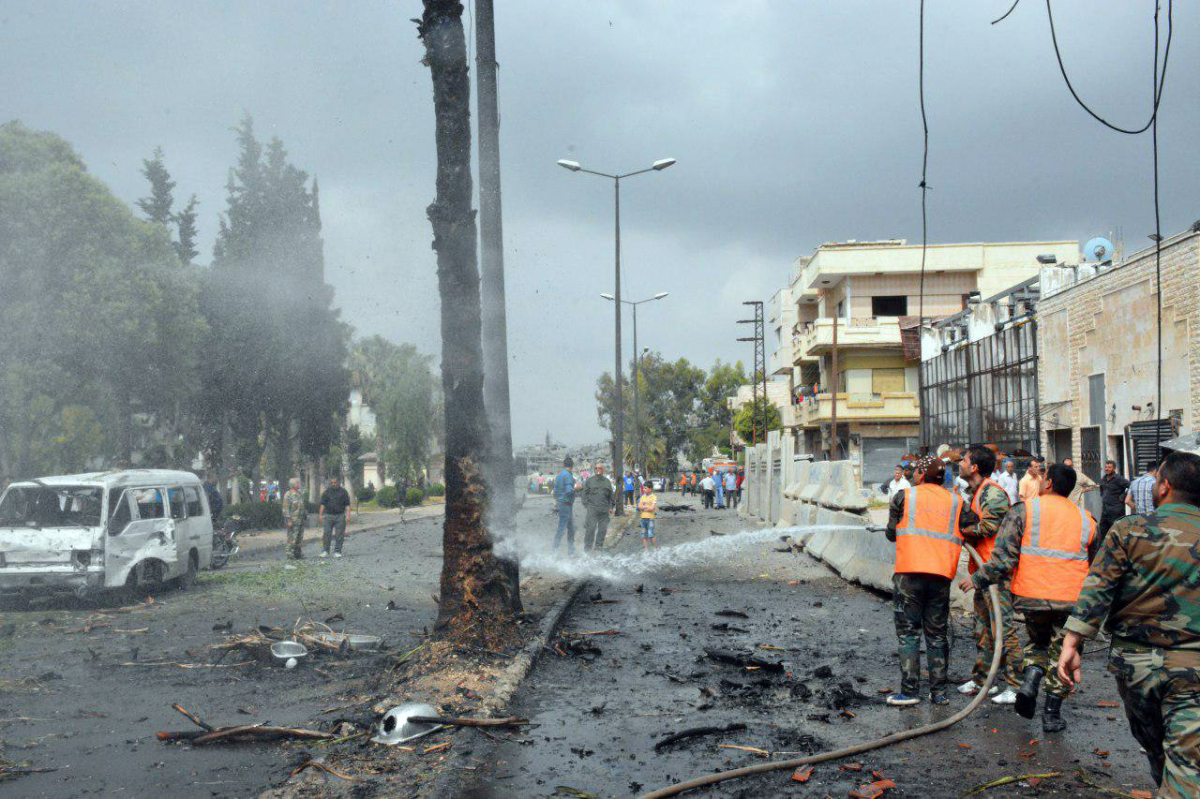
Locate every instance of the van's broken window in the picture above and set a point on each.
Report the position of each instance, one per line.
(51, 506)
(150, 503)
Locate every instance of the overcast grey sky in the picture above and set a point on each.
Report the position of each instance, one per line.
(794, 123)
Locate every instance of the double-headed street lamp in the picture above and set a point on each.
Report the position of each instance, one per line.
(637, 363)
(618, 427)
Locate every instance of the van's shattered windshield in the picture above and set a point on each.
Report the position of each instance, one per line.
(50, 506)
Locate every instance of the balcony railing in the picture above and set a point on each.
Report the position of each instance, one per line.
(816, 337)
(890, 406)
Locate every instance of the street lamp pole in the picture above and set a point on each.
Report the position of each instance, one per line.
(637, 364)
(618, 413)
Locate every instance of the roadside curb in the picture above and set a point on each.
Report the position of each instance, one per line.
(508, 683)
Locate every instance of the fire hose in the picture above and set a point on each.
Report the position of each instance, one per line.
(878, 743)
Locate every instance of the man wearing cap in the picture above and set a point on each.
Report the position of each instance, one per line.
(564, 502)
(597, 497)
(925, 522)
(1045, 544)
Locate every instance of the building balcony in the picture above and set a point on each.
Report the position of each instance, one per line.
(815, 338)
(792, 416)
(900, 406)
(779, 362)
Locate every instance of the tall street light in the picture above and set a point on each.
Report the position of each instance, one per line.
(618, 426)
(637, 363)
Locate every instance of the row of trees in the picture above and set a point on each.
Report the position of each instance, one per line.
(116, 344)
(682, 409)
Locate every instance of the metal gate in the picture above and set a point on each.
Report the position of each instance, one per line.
(880, 456)
(1090, 453)
(1142, 440)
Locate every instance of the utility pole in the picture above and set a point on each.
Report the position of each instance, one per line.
(494, 310)
(834, 447)
(759, 375)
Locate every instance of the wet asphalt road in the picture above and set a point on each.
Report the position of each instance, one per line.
(66, 703)
(600, 716)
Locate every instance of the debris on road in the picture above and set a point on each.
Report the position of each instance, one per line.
(734, 614)
(696, 732)
(744, 660)
(322, 767)
(987, 786)
(511, 721)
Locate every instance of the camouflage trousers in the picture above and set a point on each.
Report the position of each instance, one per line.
(1161, 690)
(1012, 656)
(1045, 629)
(295, 540)
(921, 603)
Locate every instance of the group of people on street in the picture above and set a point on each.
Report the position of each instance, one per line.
(333, 513)
(598, 496)
(721, 489)
(1042, 555)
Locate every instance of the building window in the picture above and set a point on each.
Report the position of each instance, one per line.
(887, 380)
(889, 306)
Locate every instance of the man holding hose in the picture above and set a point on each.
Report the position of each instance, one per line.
(925, 522)
(989, 502)
(1142, 587)
(1045, 544)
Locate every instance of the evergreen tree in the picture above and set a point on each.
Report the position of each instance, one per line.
(157, 207)
(186, 221)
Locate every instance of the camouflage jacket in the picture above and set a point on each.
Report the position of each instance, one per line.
(993, 507)
(294, 512)
(1145, 581)
(1003, 562)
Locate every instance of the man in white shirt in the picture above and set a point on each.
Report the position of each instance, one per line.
(1008, 480)
(898, 483)
(708, 486)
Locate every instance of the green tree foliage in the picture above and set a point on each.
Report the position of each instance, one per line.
(276, 375)
(682, 409)
(398, 383)
(749, 420)
(157, 207)
(99, 326)
(186, 220)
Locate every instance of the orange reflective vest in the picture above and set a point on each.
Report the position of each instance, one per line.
(927, 538)
(1054, 549)
(984, 547)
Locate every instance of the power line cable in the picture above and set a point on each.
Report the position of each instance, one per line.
(924, 163)
(1011, 9)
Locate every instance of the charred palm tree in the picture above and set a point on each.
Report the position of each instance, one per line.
(476, 599)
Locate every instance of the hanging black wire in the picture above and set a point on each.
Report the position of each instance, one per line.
(1011, 9)
(924, 167)
(1158, 83)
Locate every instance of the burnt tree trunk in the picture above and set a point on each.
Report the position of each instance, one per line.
(476, 598)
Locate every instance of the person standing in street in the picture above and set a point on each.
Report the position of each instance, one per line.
(295, 515)
(741, 479)
(1008, 481)
(1030, 486)
(597, 498)
(1142, 588)
(989, 503)
(925, 522)
(628, 487)
(333, 515)
(706, 490)
(215, 503)
(897, 484)
(718, 490)
(564, 502)
(647, 511)
(1141, 491)
(1045, 544)
(1113, 487)
(730, 485)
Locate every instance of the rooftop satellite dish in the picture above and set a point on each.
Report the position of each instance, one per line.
(1098, 249)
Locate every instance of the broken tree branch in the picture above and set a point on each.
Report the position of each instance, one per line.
(512, 721)
(192, 718)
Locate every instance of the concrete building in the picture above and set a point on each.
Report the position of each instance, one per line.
(873, 290)
(1098, 353)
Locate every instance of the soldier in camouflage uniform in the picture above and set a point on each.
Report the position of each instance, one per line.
(921, 603)
(1142, 587)
(295, 514)
(989, 501)
(1044, 618)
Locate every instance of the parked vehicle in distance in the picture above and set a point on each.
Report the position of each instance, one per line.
(135, 528)
(657, 483)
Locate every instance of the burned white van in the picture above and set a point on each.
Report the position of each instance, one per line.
(135, 528)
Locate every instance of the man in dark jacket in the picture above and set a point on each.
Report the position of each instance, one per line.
(1113, 487)
(333, 514)
(215, 503)
(597, 498)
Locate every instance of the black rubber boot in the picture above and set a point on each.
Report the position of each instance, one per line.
(1028, 692)
(1052, 720)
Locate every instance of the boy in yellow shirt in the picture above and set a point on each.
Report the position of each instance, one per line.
(647, 510)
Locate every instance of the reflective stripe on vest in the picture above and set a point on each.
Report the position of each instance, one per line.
(1054, 550)
(922, 547)
(985, 547)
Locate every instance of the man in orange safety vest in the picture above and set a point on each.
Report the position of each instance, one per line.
(926, 522)
(1046, 544)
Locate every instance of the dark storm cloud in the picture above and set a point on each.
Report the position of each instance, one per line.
(793, 123)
